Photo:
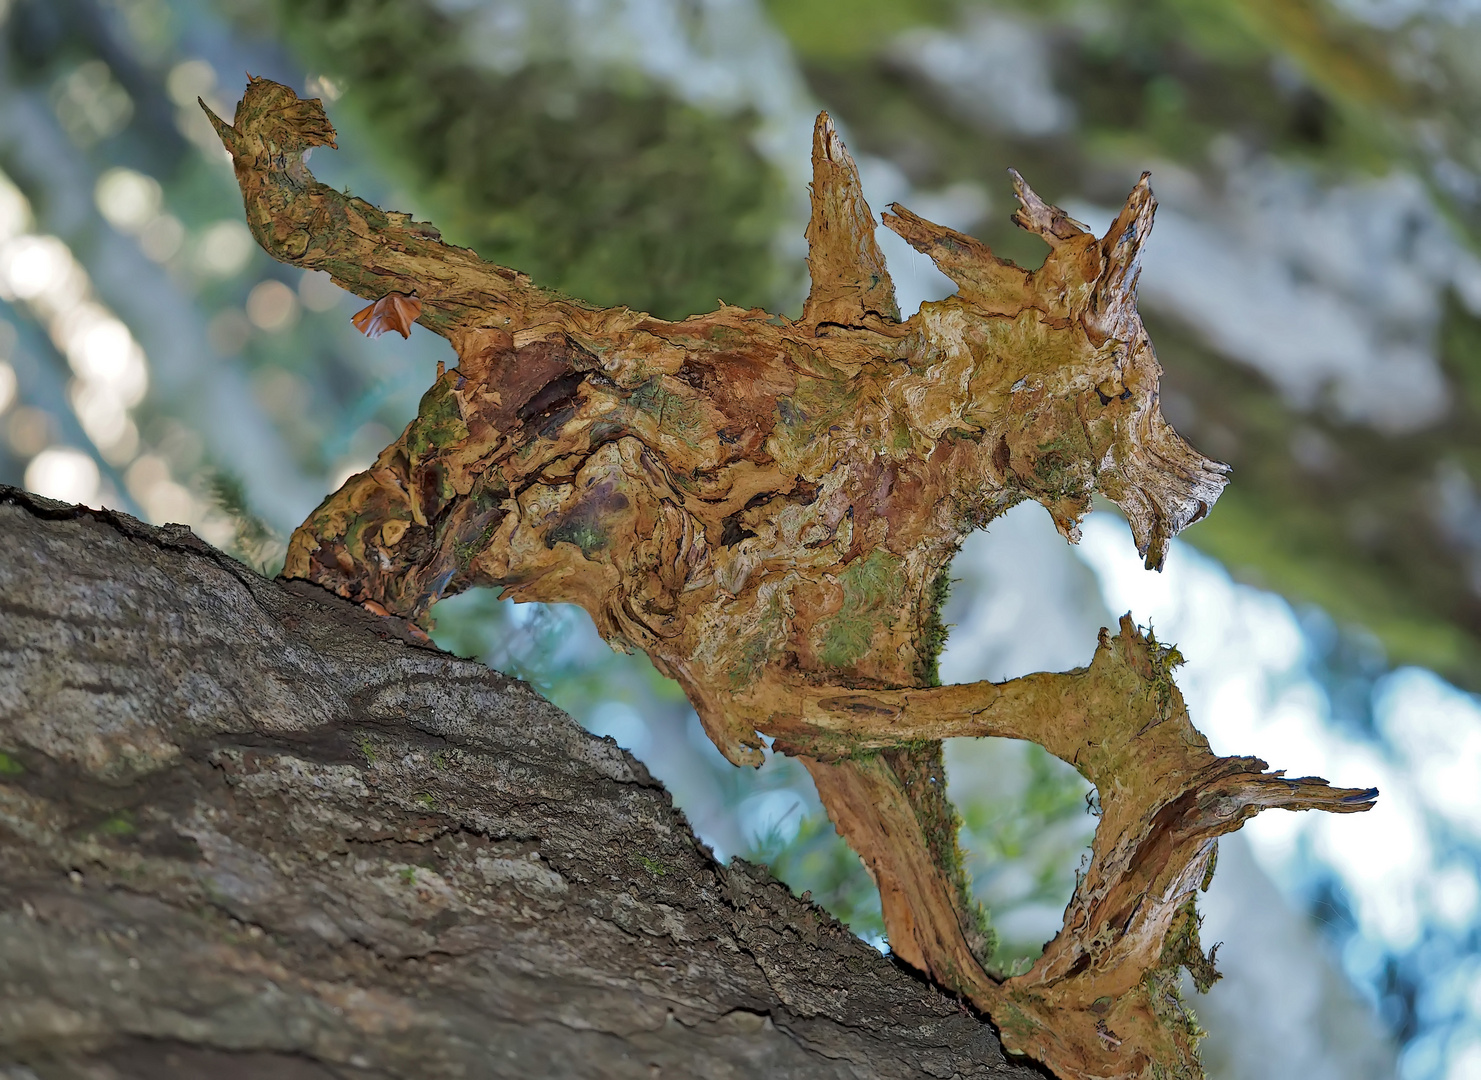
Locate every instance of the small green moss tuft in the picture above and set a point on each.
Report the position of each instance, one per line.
(1183, 949)
(757, 650)
(466, 551)
(439, 422)
(934, 632)
(653, 866)
(1057, 468)
(9, 766)
(921, 771)
(580, 530)
(1163, 659)
(677, 415)
(119, 824)
(1172, 1012)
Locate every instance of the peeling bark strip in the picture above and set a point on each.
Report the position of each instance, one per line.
(766, 507)
(246, 832)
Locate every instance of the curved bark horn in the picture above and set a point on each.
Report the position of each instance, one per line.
(1039, 217)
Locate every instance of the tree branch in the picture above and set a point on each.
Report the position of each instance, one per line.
(366, 250)
(249, 831)
(1164, 799)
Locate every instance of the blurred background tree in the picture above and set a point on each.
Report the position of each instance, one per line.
(1313, 288)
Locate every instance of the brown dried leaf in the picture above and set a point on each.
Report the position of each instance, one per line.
(391, 312)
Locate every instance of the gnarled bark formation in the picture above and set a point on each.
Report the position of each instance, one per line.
(767, 508)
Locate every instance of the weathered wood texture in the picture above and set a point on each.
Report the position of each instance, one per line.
(768, 508)
(248, 833)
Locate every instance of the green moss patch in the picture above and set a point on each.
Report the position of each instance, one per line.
(873, 590)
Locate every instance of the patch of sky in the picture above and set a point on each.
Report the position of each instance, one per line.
(916, 278)
(1393, 14)
(773, 816)
(622, 724)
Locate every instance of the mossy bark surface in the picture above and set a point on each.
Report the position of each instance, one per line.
(765, 507)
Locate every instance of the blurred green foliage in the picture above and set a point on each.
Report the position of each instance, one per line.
(1344, 531)
(849, 30)
(1023, 833)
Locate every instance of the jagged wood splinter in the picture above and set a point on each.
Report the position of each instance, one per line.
(768, 507)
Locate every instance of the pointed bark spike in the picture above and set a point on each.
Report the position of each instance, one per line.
(1156, 553)
(1122, 249)
(979, 274)
(1124, 239)
(1037, 216)
(826, 138)
(224, 131)
(849, 277)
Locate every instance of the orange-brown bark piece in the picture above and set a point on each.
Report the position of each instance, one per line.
(764, 507)
(846, 267)
(391, 312)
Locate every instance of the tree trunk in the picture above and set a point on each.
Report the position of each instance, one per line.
(248, 831)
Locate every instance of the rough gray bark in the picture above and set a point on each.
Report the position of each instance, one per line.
(247, 831)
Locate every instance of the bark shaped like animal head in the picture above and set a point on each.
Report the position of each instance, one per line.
(1085, 413)
(271, 119)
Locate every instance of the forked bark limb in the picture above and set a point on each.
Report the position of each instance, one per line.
(1103, 994)
(767, 508)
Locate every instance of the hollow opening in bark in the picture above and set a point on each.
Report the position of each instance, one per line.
(1027, 825)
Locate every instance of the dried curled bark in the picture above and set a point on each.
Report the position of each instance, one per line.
(766, 508)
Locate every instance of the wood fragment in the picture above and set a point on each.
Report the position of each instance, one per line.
(849, 279)
(391, 312)
(765, 506)
(1037, 216)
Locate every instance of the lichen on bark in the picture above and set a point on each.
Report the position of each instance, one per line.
(766, 506)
